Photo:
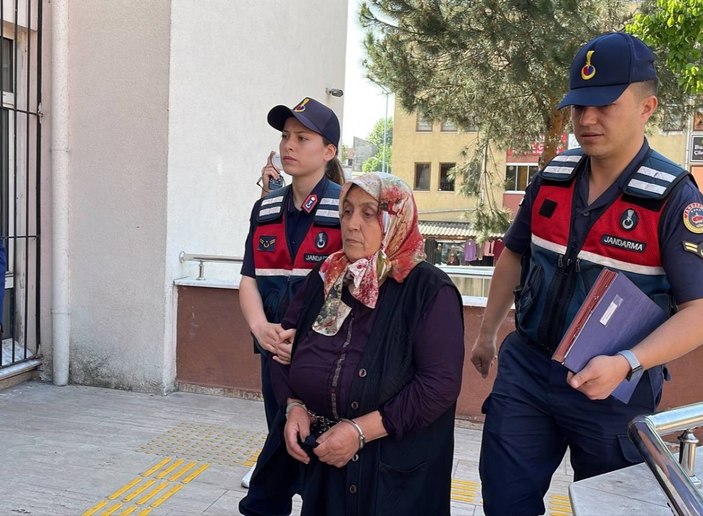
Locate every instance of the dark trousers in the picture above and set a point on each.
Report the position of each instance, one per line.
(533, 415)
(270, 403)
(270, 493)
(276, 478)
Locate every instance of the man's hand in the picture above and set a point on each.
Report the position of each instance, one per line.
(297, 425)
(338, 445)
(600, 376)
(483, 354)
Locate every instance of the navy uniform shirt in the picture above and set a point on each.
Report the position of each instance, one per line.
(683, 266)
(297, 224)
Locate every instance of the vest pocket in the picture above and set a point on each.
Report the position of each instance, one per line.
(526, 295)
(271, 306)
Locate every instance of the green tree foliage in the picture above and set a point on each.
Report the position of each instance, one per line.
(375, 162)
(674, 28)
(490, 221)
(376, 134)
(502, 63)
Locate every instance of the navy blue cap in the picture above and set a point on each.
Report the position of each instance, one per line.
(605, 66)
(312, 114)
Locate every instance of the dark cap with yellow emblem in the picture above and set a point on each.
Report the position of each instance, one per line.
(312, 114)
(605, 66)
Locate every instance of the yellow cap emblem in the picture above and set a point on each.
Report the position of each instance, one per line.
(588, 71)
(301, 107)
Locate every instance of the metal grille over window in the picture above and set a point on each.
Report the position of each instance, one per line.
(20, 165)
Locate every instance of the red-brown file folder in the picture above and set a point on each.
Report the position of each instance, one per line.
(615, 315)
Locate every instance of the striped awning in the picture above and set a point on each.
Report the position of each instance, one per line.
(448, 230)
(444, 230)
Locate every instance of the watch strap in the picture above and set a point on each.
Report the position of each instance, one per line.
(635, 366)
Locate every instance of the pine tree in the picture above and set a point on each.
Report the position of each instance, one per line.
(502, 64)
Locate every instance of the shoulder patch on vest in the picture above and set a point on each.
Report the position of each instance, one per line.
(271, 207)
(563, 166)
(655, 178)
(327, 213)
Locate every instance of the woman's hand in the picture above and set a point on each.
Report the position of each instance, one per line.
(297, 426)
(284, 346)
(269, 172)
(266, 334)
(338, 445)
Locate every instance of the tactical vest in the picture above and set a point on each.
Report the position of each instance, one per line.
(624, 238)
(278, 275)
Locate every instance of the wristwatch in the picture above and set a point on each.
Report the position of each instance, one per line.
(636, 369)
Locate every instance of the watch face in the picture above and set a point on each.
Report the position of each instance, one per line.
(635, 367)
(635, 373)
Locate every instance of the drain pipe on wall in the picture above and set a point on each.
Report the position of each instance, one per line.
(60, 299)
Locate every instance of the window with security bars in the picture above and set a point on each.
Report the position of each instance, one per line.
(20, 165)
(6, 200)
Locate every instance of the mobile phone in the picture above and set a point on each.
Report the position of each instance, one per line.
(276, 161)
(275, 184)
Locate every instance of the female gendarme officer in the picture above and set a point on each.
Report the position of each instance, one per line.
(292, 229)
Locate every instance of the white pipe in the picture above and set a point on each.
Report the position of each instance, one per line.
(60, 309)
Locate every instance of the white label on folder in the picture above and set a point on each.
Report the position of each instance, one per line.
(611, 310)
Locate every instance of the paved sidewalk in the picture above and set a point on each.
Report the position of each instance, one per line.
(88, 451)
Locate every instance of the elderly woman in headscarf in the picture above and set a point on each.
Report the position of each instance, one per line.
(375, 366)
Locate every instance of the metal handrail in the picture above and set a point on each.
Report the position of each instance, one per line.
(677, 483)
(202, 258)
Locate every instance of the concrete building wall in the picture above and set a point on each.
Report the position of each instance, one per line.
(231, 62)
(118, 97)
(168, 103)
(670, 144)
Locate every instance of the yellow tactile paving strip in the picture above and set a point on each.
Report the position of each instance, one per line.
(215, 444)
(190, 448)
(558, 505)
(467, 491)
(150, 489)
(252, 459)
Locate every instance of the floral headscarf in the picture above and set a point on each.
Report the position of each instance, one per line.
(401, 250)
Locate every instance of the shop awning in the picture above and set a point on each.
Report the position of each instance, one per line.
(445, 230)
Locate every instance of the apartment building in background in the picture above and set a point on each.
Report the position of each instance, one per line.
(425, 152)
